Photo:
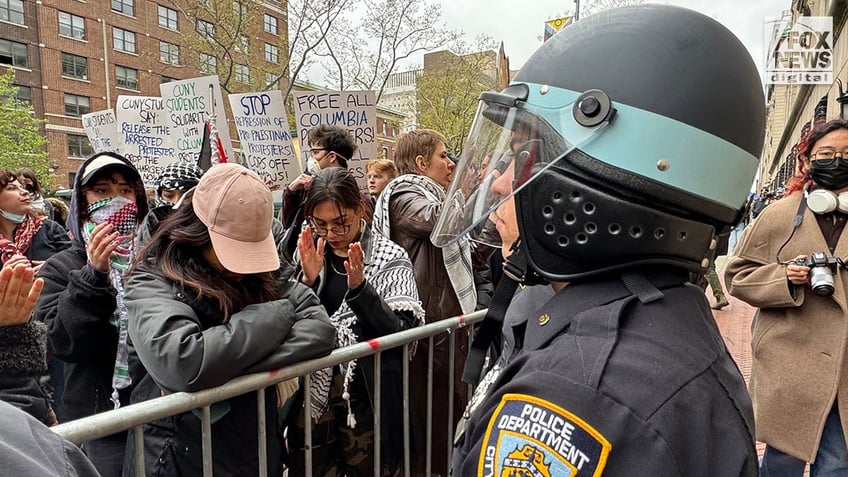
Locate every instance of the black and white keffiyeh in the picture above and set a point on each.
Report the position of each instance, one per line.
(179, 176)
(457, 256)
(390, 273)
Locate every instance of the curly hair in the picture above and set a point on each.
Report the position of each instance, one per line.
(801, 177)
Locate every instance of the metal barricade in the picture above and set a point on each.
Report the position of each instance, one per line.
(135, 416)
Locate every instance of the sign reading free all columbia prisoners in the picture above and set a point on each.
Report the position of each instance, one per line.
(799, 52)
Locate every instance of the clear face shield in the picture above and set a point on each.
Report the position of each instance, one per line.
(507, 148)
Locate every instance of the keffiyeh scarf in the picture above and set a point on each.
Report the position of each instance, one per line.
(457, 256)
(123, 215)
(389, 271)
(22, 240)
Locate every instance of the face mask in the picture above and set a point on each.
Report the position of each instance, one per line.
(831, 176)
(123, 215)
(312, 166)
(14, 218)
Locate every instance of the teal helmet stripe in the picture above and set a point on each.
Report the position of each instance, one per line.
(638, 141)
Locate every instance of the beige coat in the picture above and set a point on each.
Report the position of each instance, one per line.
(798, 342)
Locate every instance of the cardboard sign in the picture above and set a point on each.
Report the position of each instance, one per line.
(188, 104)
(145, 137)
(266, 143)
(102, 130)
(355, 111)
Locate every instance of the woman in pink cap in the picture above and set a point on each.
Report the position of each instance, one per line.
(206, 303)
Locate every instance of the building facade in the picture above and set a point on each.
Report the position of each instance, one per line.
(72, 57)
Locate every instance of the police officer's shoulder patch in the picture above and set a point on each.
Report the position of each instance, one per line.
(533, 437)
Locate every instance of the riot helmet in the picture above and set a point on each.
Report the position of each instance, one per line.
(628, 138)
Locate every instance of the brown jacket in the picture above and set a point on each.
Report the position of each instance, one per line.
(798, 342)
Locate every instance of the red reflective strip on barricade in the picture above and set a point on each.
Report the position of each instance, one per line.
(374, 344)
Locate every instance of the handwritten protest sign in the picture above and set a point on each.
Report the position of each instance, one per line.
(263, 131)
(102, 130)
(355, 111)
(145, 137)
(188, 104)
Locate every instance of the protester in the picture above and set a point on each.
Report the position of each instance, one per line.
(26, 237)
(176, 179)
(623, 371)
(798, 382)
(29, 181)
(205, 303)
(406, 212)
(60, 210)
(83, 298)
(329, 146)
(366, 283)
(378, 173)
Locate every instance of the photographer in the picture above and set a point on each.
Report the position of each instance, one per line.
(787, 264)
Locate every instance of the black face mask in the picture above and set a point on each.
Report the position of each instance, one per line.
(830, 174)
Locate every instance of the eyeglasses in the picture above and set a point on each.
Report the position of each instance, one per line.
(825, 154)
(336, 229)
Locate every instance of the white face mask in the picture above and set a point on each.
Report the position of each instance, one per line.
(14, 218)
(312, 166)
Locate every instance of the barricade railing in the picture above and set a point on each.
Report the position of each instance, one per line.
(134, 417)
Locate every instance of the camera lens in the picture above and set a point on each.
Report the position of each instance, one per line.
(821, 280)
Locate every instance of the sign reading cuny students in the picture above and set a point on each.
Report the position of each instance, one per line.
(263, 131)
(188, 104)
(102, 130)
(355, 111)
(144, 135)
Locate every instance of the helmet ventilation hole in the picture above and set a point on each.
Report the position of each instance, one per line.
(589, 208)
(557, 197)
(563, 241)
(614, 229)
(575, 196)
(636, 232)
(570, 218)
(682, 235)
(590, 228)
(659, 233)
(550, 229)
(548, 211)
(581, 238)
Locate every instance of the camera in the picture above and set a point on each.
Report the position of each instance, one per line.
(821, 272)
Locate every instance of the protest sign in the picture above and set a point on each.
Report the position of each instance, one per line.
(145, 137)
(102, 130)
(355, 111)
(263, 131)
(188, 105)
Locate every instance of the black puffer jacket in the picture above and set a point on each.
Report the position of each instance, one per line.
(179, 344)
(22, 363)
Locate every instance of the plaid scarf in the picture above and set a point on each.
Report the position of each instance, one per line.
(457, 256)
(22, 239)
(389, 271)
(123, 215)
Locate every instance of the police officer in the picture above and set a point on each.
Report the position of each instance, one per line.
(639, 134)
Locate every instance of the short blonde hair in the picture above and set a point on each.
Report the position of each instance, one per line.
(384, 166)
(420, 142)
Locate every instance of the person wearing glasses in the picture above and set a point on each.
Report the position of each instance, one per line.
(366, 283)
(799, 385)
(329, 146)
(29, 181)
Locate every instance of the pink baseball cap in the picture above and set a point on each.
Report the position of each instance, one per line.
(237, 207)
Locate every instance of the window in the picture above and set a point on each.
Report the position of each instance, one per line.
(205, 29)
(13, 53)
(166, 79)
(123, 6)
(24, 95)
(123, 40)
(243, 73)
(272, 53)
(271, 80)
(71, 25)
(78, 146)
(169, 53)
(239, 9)
(12, 11)
(167, 18)
(126, 78)
(76, 105)
(270, 24)
(208, 63)
(240, 44)
(74, 66)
